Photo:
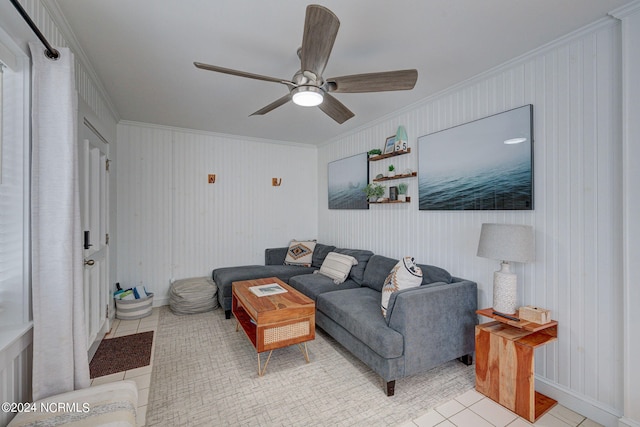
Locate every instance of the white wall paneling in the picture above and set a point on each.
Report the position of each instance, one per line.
(574, 86)
(173, 224)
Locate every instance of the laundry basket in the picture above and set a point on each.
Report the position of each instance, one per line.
(134, 308)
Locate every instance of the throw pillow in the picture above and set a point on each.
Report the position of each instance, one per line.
(337, 266)
(404, 275)
(300, 252)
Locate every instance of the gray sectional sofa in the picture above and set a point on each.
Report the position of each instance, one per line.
(425, 326)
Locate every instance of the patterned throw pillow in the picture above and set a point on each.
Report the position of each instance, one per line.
(406, 274)
(300, 253)
(337, 266)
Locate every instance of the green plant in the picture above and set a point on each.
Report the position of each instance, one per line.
(374, 190)
(391, 168)
(375, 152)
(402, 188)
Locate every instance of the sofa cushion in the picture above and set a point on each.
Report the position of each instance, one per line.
(432, 274)
(313, 285)
(337, 267)
(300, 253)
(357, 272)
(227, 275)
(358, 311)
(377, 270)
(404, 275)
(320, 253)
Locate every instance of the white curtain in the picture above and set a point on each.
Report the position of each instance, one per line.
(60, 360)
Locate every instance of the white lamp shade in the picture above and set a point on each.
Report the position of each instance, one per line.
(506, 242)
(307, 96)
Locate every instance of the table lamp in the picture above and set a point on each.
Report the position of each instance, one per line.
(508, 243)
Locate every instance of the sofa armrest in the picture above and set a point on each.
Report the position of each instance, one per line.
(275, 256)
(437, 322)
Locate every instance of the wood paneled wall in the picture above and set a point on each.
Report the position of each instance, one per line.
(575, 88)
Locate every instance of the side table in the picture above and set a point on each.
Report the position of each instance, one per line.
(505, 362)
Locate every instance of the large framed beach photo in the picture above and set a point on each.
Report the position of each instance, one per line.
(486, 164)
(347, 179)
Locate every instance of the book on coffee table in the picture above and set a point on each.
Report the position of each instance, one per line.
(268, 289)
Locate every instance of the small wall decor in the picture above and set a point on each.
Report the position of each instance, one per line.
(275, 182)
(389, 145)
(347, 179)
(486, 164)
(212, 178)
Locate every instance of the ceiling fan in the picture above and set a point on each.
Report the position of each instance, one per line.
(307, 87)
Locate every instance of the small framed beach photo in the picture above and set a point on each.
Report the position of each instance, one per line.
(389, 145)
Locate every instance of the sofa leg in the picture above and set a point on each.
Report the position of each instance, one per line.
(467, 359)
(391, 387)
(227, 314)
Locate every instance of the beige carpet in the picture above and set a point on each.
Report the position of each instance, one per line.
(205, 374)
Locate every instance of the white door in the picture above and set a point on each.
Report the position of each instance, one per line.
(94, 207)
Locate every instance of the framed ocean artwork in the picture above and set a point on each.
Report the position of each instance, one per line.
(347, 178)
(486, 164)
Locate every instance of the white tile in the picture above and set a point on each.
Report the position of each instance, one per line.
(429, 419)
(406, 424)
(108, 378)
(147, 328)
(137, 372)
(548, 420)
(520, 422)
(143, 397)
(124, 333)
(128, 325)
(450, 408)
(590, 423)
(142, 381)
(493, 412)
(141, 415)
(566, 415)
(446, 423)
(470, 397)
(468, 418)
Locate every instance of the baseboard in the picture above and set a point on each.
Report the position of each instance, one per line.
(594, 410)
(626, 422)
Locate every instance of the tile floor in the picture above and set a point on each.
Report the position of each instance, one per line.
(142, 376)
(470, 409)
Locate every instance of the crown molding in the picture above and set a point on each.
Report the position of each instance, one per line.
(626, 10)
(65, 30)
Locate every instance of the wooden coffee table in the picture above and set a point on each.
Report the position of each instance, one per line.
(273, 321)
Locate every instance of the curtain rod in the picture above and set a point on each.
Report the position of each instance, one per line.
(51, 52)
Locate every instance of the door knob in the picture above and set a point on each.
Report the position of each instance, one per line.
(89, 262)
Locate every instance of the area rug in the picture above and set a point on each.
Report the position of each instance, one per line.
(121, 354)
(205, 374)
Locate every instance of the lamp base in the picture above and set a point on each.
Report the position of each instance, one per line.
(505, 290)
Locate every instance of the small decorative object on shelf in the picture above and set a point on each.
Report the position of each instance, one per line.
(374, 152)
(535, 314)
(374, 191)
(402, 141)
(392, 170)
(390, 145)
(402, 191)
(393, 193)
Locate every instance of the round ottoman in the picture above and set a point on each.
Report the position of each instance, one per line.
(195, 295)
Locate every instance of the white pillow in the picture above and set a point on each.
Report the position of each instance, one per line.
(300, 253)
(337, 266)
(404, 275)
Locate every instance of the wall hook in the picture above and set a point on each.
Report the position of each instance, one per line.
(212, 178)
(276, 182)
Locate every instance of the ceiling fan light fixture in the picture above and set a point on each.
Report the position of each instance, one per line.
(307, 96)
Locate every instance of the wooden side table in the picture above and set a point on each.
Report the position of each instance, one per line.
(505, 363)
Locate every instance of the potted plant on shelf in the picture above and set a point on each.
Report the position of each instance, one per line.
(374, 191)
(402, 191)
(374, 152)
(392, 170)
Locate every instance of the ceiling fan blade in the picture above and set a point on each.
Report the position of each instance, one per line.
(335, 109)
(275, 104)
(374, 82)
(240, 73)
(320, 31)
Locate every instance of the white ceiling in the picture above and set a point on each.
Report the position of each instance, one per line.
(143, 53)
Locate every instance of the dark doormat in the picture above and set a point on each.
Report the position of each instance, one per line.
(121, 354)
